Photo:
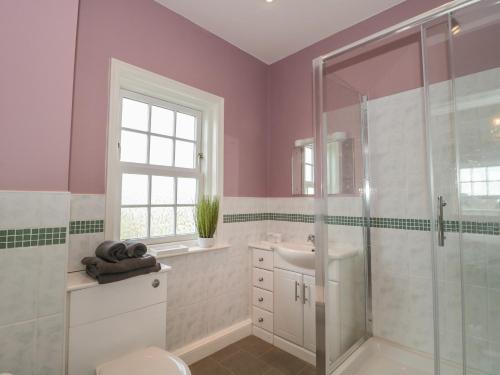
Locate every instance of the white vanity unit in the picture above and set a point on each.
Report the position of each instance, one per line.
(283, 308)
(109, 320)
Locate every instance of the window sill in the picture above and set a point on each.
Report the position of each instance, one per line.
(182, 249)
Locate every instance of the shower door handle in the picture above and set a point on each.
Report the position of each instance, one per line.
(440, 221)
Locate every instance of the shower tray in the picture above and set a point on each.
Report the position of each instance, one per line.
(381, 357)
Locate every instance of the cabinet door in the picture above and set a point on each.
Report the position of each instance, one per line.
(309, 301)
(288, 308)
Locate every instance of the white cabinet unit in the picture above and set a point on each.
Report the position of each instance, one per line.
(110, 320)
(262, 294)
(288, 308)
(294, 308)
(308, 290)
(334, 328)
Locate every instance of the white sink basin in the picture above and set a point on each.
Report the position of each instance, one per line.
(298, 255)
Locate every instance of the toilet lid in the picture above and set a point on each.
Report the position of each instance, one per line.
(150, 361)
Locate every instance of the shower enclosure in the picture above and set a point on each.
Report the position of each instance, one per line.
(420, 238)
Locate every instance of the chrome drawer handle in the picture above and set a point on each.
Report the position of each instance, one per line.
(155, 283)
(261, 320)
(261, 299)
(261, 259)
(261, 279)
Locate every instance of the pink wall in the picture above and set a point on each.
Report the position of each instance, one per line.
(37, 47)
(143, 33)
(290, 82)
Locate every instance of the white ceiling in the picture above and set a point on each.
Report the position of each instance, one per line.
(272, 31)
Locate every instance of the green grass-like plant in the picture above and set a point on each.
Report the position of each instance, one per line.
(206, 216)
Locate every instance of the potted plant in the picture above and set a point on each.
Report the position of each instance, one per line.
(206, 218)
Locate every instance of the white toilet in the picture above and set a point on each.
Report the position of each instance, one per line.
(120, 328)
(150, 361)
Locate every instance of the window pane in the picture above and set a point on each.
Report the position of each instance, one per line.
(185, 220)
(162, 190)
(309, 173)
(494, 173)
(134, 189)
(134, 223)
(310, 191)
(494, 188)
(479, 188)
(162, 121)
(465, 174)
(466, 188)
(134, 147)
(186, 126)
(184, 154)
(161, 151)
(308, 155)
(134, 114)
(478, 174)
(162, 221)
(186, 191)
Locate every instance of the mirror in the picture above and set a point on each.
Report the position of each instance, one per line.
(341, 175)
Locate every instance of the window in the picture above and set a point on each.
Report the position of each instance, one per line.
(480, 181)
(164, 151)
(308, 169)
(160, 145)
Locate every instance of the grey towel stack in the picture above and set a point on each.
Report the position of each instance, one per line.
(115, 261)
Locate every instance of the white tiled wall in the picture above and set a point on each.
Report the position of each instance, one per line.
(32, 286)
(84, 207)
(401, 259)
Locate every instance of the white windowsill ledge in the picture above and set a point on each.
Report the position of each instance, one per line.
(183, 250)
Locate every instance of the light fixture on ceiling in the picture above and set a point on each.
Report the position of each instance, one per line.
(269, 1)
(495, 127)
(455, 27)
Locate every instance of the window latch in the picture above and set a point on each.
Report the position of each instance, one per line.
(200, 155)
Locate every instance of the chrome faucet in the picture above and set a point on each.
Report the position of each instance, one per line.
(311, 238)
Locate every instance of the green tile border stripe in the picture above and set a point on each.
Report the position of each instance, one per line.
(474, 227)
(86, 226)
(13, 238)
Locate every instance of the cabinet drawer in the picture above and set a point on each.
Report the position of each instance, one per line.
(262, 319)
(263, 299)
(263, 259)
(263, 279)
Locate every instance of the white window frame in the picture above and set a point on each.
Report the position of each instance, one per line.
(132, 79)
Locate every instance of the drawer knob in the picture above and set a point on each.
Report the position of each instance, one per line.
(261, 279)
(155, 283)
(261, 259)
(261, 299)
(261, 320)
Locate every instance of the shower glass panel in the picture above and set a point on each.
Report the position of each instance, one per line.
(446, 252)
(462, 61)
(476, 65)
(346, 238)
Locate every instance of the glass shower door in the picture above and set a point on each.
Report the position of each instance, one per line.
(462, 80)
(343, 271)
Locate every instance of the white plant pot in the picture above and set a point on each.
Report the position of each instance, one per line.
(205, 243)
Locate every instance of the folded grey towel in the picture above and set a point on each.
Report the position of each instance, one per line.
(100, 266)
(135, 249)
(112, 277)
(112, 251)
